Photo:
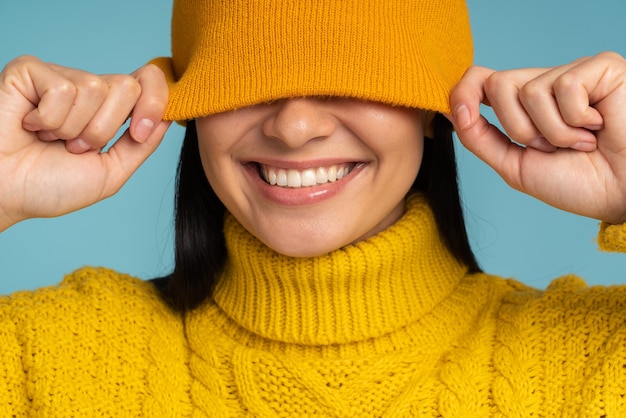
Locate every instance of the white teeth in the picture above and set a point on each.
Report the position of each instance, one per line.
(308, 178)
(281, 178)
(305, 178)
(322, 175)
(271, 177)
(332, 174)
(293, 179)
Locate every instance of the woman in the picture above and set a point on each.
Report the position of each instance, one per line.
(338, 281)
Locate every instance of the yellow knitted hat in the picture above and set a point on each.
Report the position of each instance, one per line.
(228, 54)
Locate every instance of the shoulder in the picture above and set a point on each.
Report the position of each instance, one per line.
(567, 306)
(103, 336)
(88, 287)
(567, 317)
(89, 300)
(569, 298)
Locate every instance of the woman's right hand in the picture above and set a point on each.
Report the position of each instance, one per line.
(54, 121)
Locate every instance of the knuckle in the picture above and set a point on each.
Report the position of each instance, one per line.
(532, 92)
(566, 82)
(152, 71)
(128, 85)
(154, 105)
(12, 71)
(64, 89)
(24, 60)
(610, 56)
(476, 71)
(94, 84)
(495, 83)
(21, 61)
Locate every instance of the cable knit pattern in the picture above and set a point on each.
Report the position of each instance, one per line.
(612, 237)
(389, 327)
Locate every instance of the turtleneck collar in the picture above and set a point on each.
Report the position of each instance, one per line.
(355, 293)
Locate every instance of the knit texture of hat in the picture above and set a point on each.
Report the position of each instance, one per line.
(236, 53)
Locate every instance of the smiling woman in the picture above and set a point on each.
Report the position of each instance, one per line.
(381, 144)
(142, 210)
(322, 265)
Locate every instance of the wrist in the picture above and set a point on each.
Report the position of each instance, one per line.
(6, 221)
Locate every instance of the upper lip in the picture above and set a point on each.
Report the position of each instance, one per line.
(302, 165)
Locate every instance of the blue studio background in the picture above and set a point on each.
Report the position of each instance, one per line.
(512, 234)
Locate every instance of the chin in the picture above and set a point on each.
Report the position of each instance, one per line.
(303, 252)
(303, 249)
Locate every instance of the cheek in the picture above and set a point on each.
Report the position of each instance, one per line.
(401, 130)
(407, 158)
(404, 149)
(218, 173)
(213, 151)
(206, 148)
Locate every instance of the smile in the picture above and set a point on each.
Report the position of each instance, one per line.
(304, 178)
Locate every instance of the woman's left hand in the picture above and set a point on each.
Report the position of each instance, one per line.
(569, 128)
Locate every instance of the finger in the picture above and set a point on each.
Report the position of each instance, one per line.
(467, 95)
(483, 85)
(598, 76)
(493, 147)
(79, 146)
(67, 104)
(572, 99)
(101, 126)
(126, 155)
(121, 98)
(586, 84)
(51, 94)
(143, 93)
(90, 93)
(538, 98)
(503, 90)
(152, 103)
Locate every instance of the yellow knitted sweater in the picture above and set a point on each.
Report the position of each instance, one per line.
(390, 327)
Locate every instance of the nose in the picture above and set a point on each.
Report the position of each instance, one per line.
(297, 121)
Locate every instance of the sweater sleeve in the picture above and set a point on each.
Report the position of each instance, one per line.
(612, 237)
(14, 399)
(563, 353)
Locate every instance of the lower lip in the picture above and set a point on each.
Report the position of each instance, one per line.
(298, 196)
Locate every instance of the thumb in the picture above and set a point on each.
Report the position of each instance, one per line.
(493, 147)
(479, 136)
(126, 155)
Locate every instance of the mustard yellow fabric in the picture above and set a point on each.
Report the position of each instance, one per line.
(236, 53)
(390, 327)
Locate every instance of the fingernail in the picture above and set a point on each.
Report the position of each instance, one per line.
(584, 146)
(29, 126)
(462, 116)
(542, 144)
(143, 130)
(594, 127)
(79, 145)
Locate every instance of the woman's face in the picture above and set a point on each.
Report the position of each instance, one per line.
(310, 175)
